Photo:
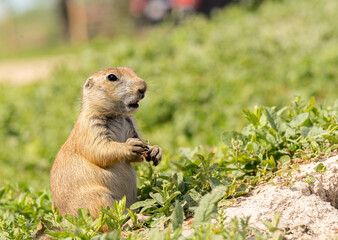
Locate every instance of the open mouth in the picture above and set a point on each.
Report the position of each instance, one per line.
(133, 105)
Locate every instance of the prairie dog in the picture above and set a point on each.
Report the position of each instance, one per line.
(92, 168)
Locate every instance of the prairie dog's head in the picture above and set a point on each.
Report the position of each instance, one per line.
(114, 90)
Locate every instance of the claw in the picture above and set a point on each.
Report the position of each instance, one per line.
(154, 154)
(146, 156)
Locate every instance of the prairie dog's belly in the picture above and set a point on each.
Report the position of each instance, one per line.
(117, 181)
(121, 180)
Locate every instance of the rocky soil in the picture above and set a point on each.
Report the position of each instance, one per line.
(306, 200)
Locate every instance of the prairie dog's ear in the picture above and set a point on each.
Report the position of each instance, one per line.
(89, 83)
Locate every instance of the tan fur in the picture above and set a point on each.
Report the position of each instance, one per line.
(92, 168)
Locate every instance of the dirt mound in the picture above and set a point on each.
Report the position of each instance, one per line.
(309, 209)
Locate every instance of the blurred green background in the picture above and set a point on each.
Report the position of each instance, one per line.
(201, 72)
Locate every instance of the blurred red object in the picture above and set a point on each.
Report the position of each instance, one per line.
(137, 7)
(179, 4)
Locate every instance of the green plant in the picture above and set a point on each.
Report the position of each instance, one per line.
(274, 138)
(196, 91)
(21, 210)
(200, 76)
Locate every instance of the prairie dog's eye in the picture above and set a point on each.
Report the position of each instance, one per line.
(112, 78)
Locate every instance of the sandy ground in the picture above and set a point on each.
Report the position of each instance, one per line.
(308, 210)
(26, 71)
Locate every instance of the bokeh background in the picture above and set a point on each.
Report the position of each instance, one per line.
(204, 62)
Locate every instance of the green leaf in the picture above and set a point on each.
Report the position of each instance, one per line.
(213, 167)
(120, 206)
(157, 197)
(114, 235)
(196, 196)
(331, 138)
(281, 111)
(177, 216)
(214, 182)
(271, 119)
(155, 234)
(315, 132)
(190, 166)
(179, 182)
(315, 145)
(275, 220)
(272, 226)
(2, 192)
(304, 131)
(203, 161)
(99, 222)
(40, 199)
(289, 132)
(133, 216)
(285, 159)
(270, 162)
(109, 213)
(320, 168)
(208, 205)
(299, 120)
(251, 117)
(311, 179)
(146, 203)
(61, 235)
(172, 196)
(263, 120)
(84, 215)
(72, 219)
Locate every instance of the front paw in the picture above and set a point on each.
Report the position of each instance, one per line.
(154, 154)
(136, 148)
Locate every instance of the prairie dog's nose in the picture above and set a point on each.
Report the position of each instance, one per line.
(142, 88)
